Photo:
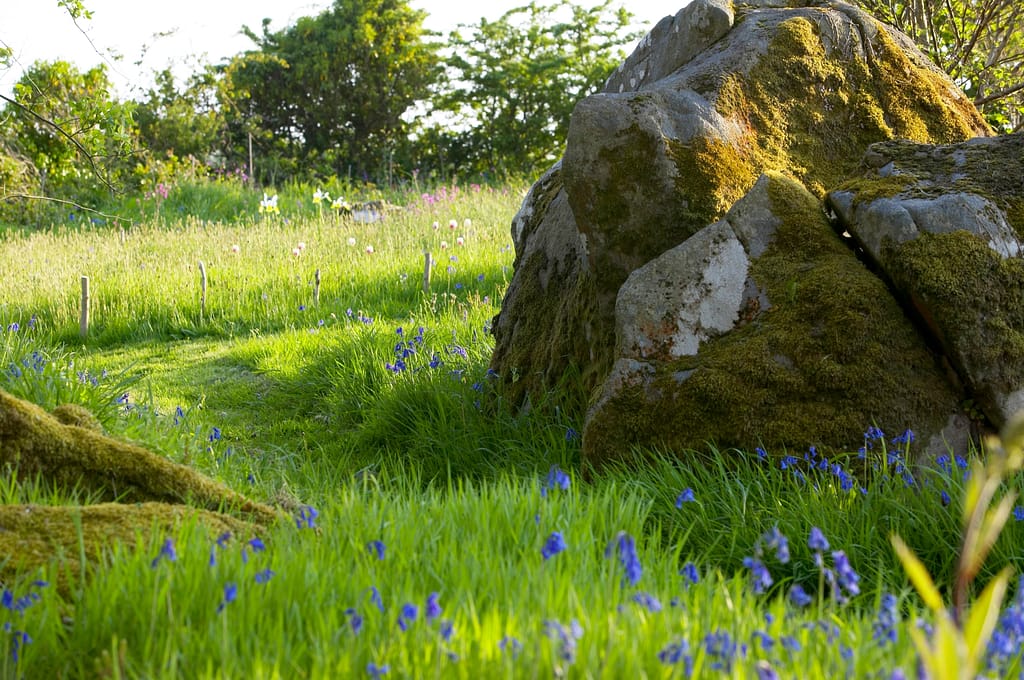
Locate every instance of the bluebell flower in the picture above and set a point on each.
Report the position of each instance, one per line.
(307, 517)
(264, 576)
(432, 609)
(571, 435)
(798, 596)
(946, 500)
(685, 496)
(906, 438)
(376, 548)
(214, 433)
(761, 453)
(944, 463)
(167, 552)
(230, 595)
(790, 643)
(566, 638)
(721, 649)
(375, 598)
(690, 573)
(625, 548)
(554, 545)
(817, 541)
(1018, 513)
(511, 645)
(675, 652)
(897, 674)
(883, 629)
(13, 328)
(761, 578)
(19, 639)
(765, 671)
(407, 615)
(647, 601)
(375, 671)
(355, 621)
(777, 541)
(557, 478)
(787, 462)
(845, 575)
(446, 629)
(766, 640)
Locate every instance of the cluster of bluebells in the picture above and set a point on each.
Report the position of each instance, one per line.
(14, 608)
(1004, 647)
(404, 349)
(624, 548)
(772, 541)
(564, 638)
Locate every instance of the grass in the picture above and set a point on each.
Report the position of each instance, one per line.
(312, 407)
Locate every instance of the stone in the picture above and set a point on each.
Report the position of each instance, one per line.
(944, 225)
(765, 329)
(712, 100)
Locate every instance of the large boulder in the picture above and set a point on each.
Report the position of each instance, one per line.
(764, 328)
(945, 226)
(711, 100)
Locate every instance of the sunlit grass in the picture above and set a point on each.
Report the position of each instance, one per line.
(311, 407)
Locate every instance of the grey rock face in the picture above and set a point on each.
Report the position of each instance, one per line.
(944, 224)
(637, 261)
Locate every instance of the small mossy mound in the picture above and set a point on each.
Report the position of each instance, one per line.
(35, 444)
(79, 416)
(32, 536)
(832, 354)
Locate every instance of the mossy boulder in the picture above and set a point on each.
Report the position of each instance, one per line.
(765, 329)
(677, 137)
(945, 226)
(32, 536)
(35, 444)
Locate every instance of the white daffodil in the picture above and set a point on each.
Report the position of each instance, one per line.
(269, 204)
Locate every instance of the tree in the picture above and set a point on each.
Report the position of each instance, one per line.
(331, 90)
(512, 83)
(186, 122)
(67, 125)
(979, 43)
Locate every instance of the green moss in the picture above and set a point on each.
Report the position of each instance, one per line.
(832, 354)
(79, 416)
(813, 114)
(34, 443)
(994, 171)
(31, 536)
(973, 302)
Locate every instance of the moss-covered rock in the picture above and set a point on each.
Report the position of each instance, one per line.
(945, 226)
(35, 444)
(656, 158)
(32, 536)
(814, 351)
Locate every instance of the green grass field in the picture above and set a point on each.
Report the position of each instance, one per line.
(447, 541)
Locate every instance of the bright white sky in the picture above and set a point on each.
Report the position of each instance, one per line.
(40, 30)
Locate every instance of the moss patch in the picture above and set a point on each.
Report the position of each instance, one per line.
(813, 114)
(34, 443)
(993, 170)
(32, 535)
(973, 301)
(832, 355)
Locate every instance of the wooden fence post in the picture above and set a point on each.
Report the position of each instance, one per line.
(83, 322)
(427, 262)
(202, 290)
(316, 288)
